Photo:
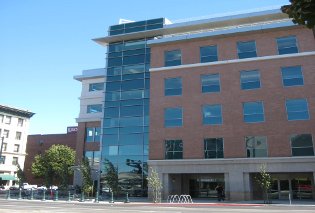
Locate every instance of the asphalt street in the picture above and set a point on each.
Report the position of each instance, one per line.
(14, 206)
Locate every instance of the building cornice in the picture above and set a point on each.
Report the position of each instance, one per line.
(15, 111)
(234, 61)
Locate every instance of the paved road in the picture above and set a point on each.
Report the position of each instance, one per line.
(14, 206)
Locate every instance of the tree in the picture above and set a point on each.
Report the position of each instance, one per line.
(111, 177)
(155, 184)
(87, 183)
(264, 180)
(302, 12)
(54, 165)
(20, 175)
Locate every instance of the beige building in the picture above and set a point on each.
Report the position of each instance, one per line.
(89, 120)
(14, 124)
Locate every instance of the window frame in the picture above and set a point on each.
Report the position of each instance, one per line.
(173, 151)
(216, 150)
(255, 141)
(296, 44)
(182, 117)
(263, 112)
(307, 107)
(243, 42)
(249, 71)
(203, 76)
(168, 63)
(206, 56)
(283, 79)
(173, 89)
(291, 136)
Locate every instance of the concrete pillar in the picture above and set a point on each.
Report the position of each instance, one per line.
(164, 177)
(247, 186)
(236, 185)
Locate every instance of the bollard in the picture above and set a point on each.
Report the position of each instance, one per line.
(56, 195)
(127, 198)
(20, 194)
(44, 195)
(96, 197)
(69, 196)
(112, 198)
(82, 196)
(9, 195)
(32, 194)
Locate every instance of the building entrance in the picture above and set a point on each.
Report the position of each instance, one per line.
(204, 185)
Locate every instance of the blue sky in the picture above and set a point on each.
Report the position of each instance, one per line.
(44, 43)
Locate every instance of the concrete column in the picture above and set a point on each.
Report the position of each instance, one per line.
(164, 177)
(247, 187)
(236, 185)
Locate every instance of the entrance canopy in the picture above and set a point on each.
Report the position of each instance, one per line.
(7, 177)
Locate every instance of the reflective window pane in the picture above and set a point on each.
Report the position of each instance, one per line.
(287, 45)
(173, 86)
(292, 76)
(173, 117)
(213, 148)
(210, 83)
(172, 58)
(208, 54)
(297, 109)
(253, 112)
(246, 49)
(250, 80)
(256, 146)
(94, 108)
(96, 87)
(302, 145)
(173, 149)
(212, 114)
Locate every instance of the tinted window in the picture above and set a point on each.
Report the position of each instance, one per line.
(292, 76)
(208, 54)
(302, 145)
(173, 149)
(250, 80)
(173, 86)
(287, 45)
(297, 109)
(213, 148)
(253, 112)
(210, 83)
(96, 87)
(212, 114)
(173, 117)
(256, 146)
(94, 108)
(173, 58)
(246, 49)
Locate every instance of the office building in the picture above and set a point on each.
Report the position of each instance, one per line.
(207, 102)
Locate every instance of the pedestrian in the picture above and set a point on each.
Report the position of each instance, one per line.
(220, 192)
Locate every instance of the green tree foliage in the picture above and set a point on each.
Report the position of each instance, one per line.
(264, 180)
(155, 184)
(54, 165)
(20, 175)
(301, 11)
(111, 177)
(87, 183)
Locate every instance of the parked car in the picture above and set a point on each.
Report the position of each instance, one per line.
(28, 186)
(42, 188)
(53, 187)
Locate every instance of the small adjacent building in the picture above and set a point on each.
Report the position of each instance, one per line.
(38, 144)
(14, 124)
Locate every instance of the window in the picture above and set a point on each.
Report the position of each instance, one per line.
(210, 83)
(250, 80)
(212, 114)
(256, 146)
(92, 134)
(7, 120)
(253, 112)
(246, 49)
(173, 58)
(173, 149)
(93, 157)
(213, 147)
(297, 109)
(20, 122)
(2, 159)
(6, 133)
(287, 45)
(16, 148)
(4, 147)
(173, 117)
(292, 76)
(173, 86)
(18, 135)
(302, 145)
(15, 161)
(94, 108)
(208, 54)
(96, 87)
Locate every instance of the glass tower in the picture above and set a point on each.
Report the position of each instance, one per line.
(125, 136)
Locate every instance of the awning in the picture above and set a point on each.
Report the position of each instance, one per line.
(7, 177)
